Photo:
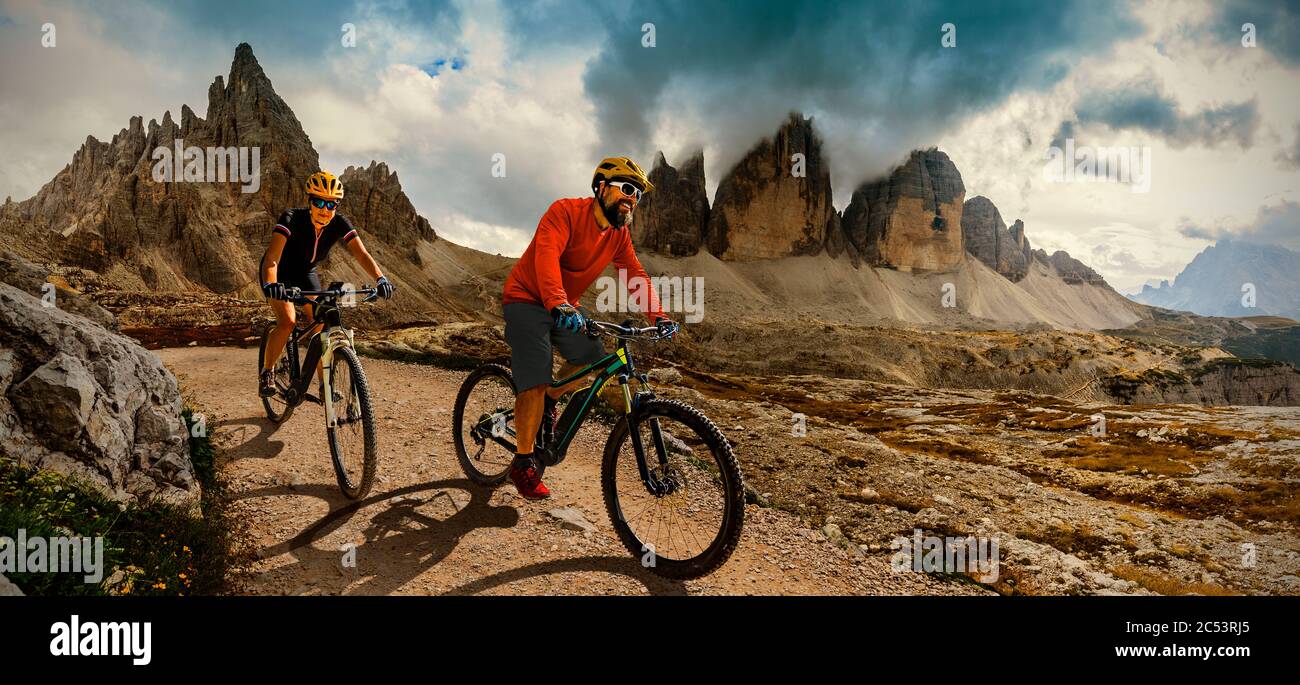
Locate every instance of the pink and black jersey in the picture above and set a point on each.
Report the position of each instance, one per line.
(306, 248)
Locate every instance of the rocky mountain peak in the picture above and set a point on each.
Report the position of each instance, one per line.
(910, 219)
(245, 72)
(673, 219)
(374, 202)
(1070, 269)
(776, 202)
(106, 209)
(986, 237)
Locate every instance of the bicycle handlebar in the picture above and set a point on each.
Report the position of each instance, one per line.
(299, 296)
(650, 333)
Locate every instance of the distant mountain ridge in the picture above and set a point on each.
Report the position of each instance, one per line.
(776, 202)
(1221, 280)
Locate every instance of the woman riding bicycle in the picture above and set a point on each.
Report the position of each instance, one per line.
(300, 241)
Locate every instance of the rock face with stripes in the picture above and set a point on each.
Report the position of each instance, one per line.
(776, 202)
(673, 219)
(911, 219)
(986, 237)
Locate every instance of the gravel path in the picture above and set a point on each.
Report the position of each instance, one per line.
(425, 529)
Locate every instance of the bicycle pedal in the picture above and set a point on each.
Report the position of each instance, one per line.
(313, 399)
(546, 456)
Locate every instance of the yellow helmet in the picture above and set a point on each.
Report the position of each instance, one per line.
(612, 168)
(325, 185)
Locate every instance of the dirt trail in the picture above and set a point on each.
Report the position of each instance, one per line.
(425, 529)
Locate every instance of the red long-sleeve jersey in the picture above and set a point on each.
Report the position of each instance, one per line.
(573, 245)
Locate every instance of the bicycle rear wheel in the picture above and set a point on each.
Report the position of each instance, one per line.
(352, 439)
(689, 522)
(277, 409)
(484, 410)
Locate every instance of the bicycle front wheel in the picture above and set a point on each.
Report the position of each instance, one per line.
(686, 521)
(352, 437)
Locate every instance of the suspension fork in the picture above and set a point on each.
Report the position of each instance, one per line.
(653, 485)
(327, 346)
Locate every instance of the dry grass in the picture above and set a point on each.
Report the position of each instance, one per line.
(938, 448)
(1074, 539)
(1163, 584)
(1277, 469)
(864, 415)
(1130, 456)
(1133, 519)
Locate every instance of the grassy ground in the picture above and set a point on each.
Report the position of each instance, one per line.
(150, 548)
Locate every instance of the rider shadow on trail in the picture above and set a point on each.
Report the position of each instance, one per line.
(248, 438)
(401, 542)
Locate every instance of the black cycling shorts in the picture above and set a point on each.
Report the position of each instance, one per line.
(306, 281)
(531, 334)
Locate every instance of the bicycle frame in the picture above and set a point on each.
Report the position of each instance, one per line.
(617, 364)
(324, 312)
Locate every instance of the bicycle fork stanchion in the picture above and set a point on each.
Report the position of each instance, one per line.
(327, 382)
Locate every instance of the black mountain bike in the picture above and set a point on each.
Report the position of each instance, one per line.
(349, 417)
(671, 484)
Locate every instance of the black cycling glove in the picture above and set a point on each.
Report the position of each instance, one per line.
(275, 291)
(385, 288)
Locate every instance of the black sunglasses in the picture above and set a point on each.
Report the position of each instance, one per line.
(626, 188)
(323, 204)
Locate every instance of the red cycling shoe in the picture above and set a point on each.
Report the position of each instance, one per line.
(523, 473)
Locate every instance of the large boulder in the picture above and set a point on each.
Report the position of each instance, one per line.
(673, 219)
(773, 204)
(81, 400)
(911, 220)
(985, 236)
(52, 288)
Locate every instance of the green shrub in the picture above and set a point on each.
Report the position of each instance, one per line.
(150, 547)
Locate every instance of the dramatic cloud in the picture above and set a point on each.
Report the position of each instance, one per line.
(1290, 157)
(1142, 106)
(1277, 25)
(1277, 224)
(874, 75)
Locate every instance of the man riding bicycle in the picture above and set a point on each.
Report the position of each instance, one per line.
(300, 241)
(575, 240)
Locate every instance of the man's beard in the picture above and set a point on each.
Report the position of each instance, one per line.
(616, 218)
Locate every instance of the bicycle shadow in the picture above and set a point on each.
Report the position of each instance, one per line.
(238, 444)
(621, 565)
(399, 542)
(402, 542)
